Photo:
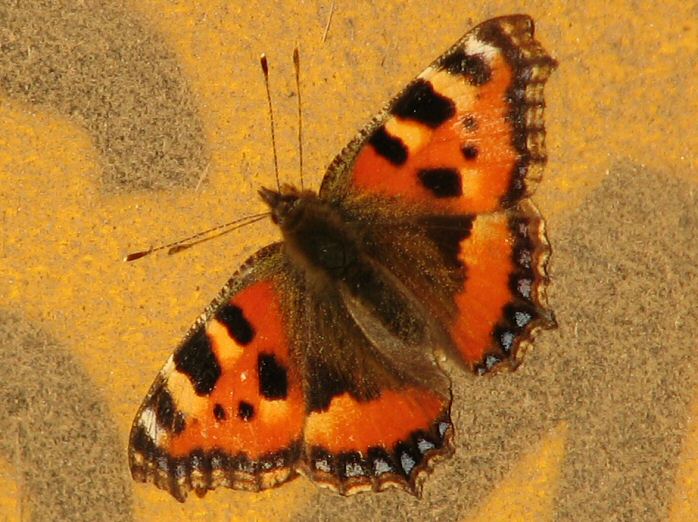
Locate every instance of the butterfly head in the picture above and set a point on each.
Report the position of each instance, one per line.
(285, 204)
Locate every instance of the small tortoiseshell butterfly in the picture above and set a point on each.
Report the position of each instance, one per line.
(318, 355)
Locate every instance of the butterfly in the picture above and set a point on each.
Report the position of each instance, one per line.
(319, 356)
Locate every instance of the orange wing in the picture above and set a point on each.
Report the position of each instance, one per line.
(466, 136)
(502, 300)
(390, 440)
(227, 409)
(457, 153)
(243, 403)
(378, 406)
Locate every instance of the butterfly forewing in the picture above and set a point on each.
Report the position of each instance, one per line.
(466, 136)
(227, 409)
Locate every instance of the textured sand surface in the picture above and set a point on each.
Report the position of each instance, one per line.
(111, 114)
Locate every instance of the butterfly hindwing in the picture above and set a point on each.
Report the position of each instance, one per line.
(227, 409)
(389, 440)
(502, 300)
(378, 406)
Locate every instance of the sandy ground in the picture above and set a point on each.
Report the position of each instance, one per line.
(111, 116)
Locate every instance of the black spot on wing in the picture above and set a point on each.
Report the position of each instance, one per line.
(472, 66)
(390, 147)
(245, 411)
(141, 442)
(421, 103)
(239, 328)
(219, 412)
(273, 378)
(166, 412)
(470, 152)
(443, 183)
(196, 360)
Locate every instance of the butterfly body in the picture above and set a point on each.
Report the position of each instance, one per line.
(330, 256)
(317, 237)
(318, 356)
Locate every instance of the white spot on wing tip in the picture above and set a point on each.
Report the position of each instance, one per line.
(474, 46)
(168, 368)
(427, 73)
(149, 423)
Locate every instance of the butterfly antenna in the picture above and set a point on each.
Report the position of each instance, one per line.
(297, 67)
(188, 242)
(329, 21)
(265, 70)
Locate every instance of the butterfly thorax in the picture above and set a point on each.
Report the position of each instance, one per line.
(332, 252)
(317, 237)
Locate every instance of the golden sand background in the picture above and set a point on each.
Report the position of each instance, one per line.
(111, 113)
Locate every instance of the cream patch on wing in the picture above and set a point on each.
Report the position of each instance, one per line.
(226, 349)
(455, 87)
(411, 133)
(472, 181)
(168, 368)
(472, 45)
(184, 396)
(484, 228)
(148, 421)
(273, 411)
